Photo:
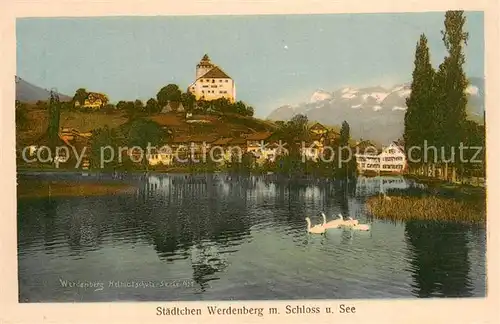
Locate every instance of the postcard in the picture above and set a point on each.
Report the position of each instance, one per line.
(225, 165)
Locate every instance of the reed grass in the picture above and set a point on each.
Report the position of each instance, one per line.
(42, 189)
(404, 208)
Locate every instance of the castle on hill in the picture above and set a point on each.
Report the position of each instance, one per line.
(212, 82)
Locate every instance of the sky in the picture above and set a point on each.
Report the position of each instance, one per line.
(274, 59)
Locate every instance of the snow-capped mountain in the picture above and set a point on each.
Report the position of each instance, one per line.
(376, 113)
(320, 95)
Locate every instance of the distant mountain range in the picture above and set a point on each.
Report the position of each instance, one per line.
(29, 93)
(374, 113)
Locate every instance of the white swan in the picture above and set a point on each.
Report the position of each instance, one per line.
(349, 221)
(316, 229)
(333, 223)
(361, 227)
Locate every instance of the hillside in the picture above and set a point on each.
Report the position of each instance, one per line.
(29, 93)
(214, 125)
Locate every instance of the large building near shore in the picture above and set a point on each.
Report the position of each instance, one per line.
(392, 159)
(212, 82)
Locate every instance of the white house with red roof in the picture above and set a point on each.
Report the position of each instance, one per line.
(212, 82)
(392, 159)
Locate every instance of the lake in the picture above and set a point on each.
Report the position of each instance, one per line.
(181, 238)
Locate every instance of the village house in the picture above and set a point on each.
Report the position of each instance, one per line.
(93, 101)
(318, 129)
(223, 150)
(69, 134)
(183, 146)
(71, 140)
(262, 146)
(319, 137)
(161, 156)
(238, 144)
(257, 141)
(391, 159)
(136, 154)
(173, 106)
(269, 153)
(212, 82)
(312, 151)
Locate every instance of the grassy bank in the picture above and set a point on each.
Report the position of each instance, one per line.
(436, 183)
(41, 189)
(432, 208)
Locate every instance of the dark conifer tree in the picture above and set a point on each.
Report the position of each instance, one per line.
(348, 166)
(54, 116)
(451, 83)
(420, 116)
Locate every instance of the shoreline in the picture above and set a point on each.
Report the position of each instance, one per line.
(48, 188)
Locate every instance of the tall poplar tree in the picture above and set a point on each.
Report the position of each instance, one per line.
(347, 168)
(451, 82)
(420, 115)
(54, 117)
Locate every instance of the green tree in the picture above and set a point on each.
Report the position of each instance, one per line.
(130, 110)
(345, 134)
(80, 96)
(142, 132)
(250, 111)
(203, 105)
(152, 106)
(188, 101)
(102, 138)
(121, 105)
(475, 136)
(223, 105)
(240, 108)
(168, 93)
(420, 116)
(292, 132)
(138, 106)
(298, 125)
(54, 117)
(347, 163)
(451, 82)
(21, 115)
(109, 109)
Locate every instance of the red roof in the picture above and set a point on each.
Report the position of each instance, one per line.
(215, 73)
(318, 126)
(238, 141)
(222, 141)
(259, 136)
(195, 139)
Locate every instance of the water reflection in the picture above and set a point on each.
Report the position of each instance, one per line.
(202, 219)
(85, 219)
(374, 185)
(228, 233)
(439, 262)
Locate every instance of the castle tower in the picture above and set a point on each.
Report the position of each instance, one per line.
(212, 82)
(204, 66)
